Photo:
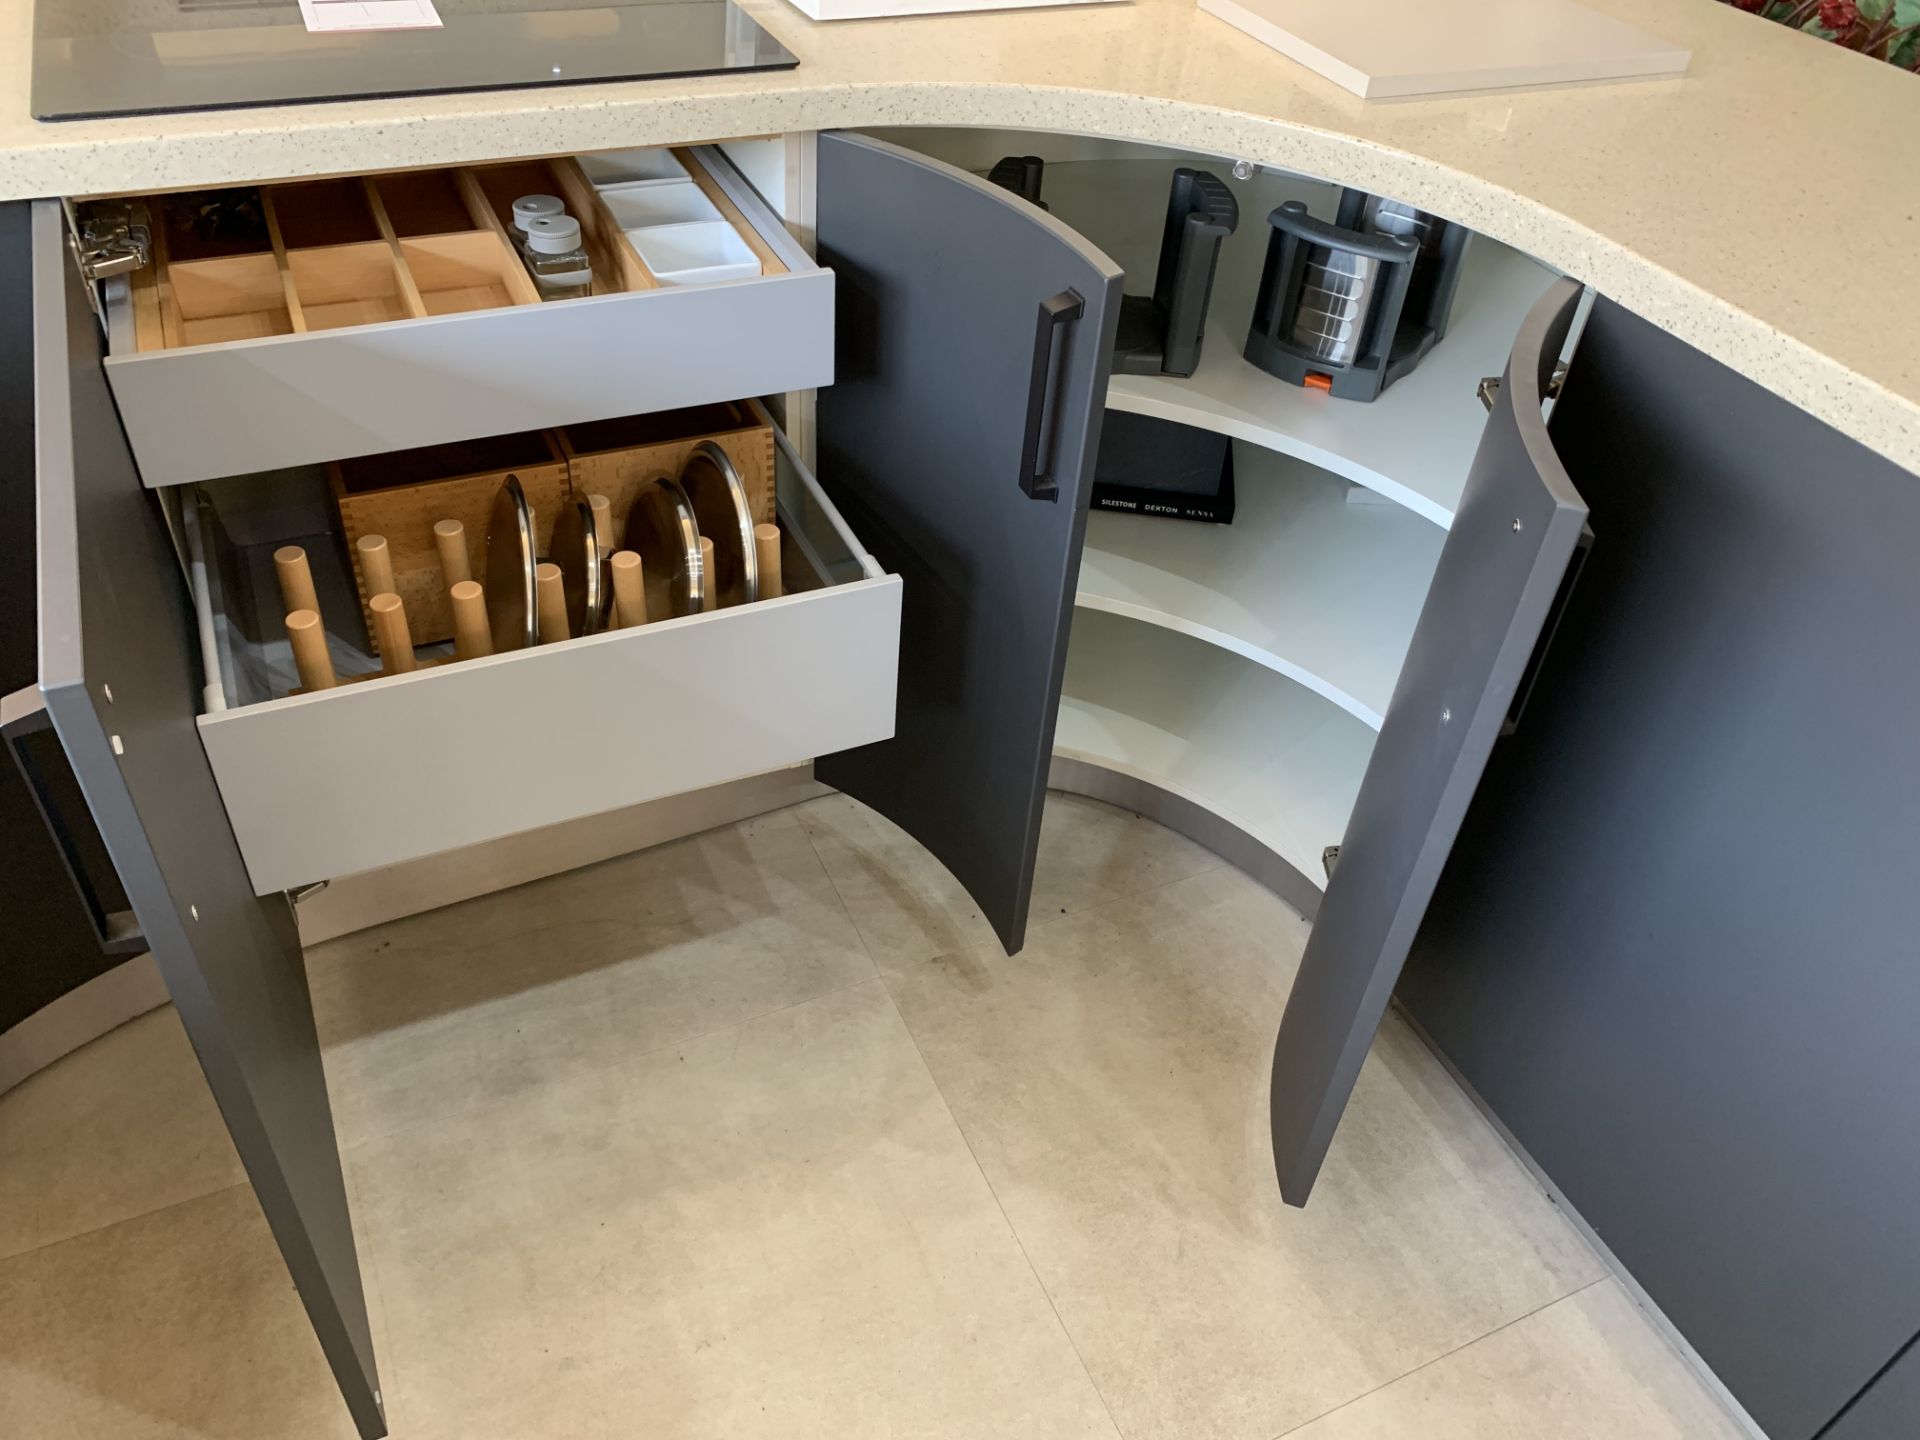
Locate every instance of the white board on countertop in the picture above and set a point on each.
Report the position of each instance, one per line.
(875, 9)
(1395, 48)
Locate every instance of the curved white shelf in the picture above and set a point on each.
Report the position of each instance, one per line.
(1314, 579)
(1235, 738)
(1414, 444)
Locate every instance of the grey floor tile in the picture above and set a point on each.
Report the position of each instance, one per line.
(178, 1325)
(1589, 1367)
(910, 909)
(646, 1149)
(772, 1231)
(1112, 1080)
(438, 1013)
(120, 1127)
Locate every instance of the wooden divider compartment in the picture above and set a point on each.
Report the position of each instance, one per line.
(336, 253)
(617, 267)
(615, 458)
(375, 249)
(284, 324)
(404, 494)
(207, 289)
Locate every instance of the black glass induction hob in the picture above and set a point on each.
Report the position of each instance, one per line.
(96, 58)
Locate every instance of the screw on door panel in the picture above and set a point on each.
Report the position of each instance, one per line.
(107, 690)
(1446, 714)
(194, 911)
(1243, 169)
(1516, 524)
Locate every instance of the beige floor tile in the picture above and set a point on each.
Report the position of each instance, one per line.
(772, 1231)
(436, 1014)
(910, 909)
(120, 1127)
(1092, 852)
(1112, 1080)
(1589, 1367)
(178, 1325)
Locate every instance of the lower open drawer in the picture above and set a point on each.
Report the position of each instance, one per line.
(342, 780)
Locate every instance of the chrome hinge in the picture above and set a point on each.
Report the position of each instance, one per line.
(307, 892)
(1329, 858)
(1488, 390)
(110, 237)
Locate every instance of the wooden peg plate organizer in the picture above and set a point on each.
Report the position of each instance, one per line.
(405, 494)
(402, 495)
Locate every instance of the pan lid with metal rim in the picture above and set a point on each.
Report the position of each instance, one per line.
(575, 548)
(725, 516)
(510, 563)
(661, 528)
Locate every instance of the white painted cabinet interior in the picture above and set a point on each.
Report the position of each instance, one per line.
(1245, 668)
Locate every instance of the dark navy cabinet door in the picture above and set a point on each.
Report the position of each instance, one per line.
(1493, 591)
(119, 676)
(974, 336)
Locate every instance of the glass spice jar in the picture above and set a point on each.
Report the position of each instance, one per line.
(559, 264)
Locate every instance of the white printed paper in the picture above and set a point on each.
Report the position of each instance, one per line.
(331, 17)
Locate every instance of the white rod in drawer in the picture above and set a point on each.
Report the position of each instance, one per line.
(213, 690)
(450, 538)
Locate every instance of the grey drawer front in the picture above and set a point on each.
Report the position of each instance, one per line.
(369, 774)
(390, 769)
(213, 410)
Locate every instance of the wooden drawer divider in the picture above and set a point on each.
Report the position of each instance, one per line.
(352, 260)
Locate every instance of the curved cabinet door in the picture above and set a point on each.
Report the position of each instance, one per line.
(973, 341)
(121, 686)
(1500, 572)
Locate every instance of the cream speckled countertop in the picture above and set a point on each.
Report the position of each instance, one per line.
(1765, 207)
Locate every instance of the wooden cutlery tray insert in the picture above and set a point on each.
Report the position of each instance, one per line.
(289, 325)
(371, 250)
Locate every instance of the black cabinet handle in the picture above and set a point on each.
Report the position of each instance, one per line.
(1055, 315)
(24, 714)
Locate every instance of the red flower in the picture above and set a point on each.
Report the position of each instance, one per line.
(1839, 16)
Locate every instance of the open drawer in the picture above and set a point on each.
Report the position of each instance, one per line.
(336, 318)
(388, 768)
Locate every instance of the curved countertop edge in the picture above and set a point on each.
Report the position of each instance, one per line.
(313, 140)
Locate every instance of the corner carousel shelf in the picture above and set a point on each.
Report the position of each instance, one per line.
(1265, 755)
(1315, 580)
(1414, 444)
